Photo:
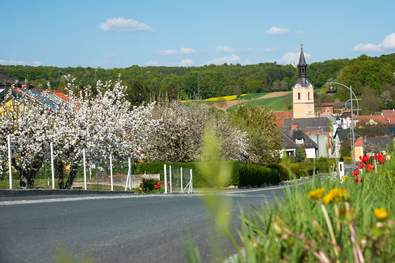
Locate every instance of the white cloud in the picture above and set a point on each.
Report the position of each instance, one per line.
(124, 24)
(186, 50)
(186, 62)
(387, 43)
(225, 49)
(152, 63)
(222, 60)
(182, 51)
(275, 30)
(292, 58)
(268, 50)
(168, 52)
(367, 47)
(19, 62)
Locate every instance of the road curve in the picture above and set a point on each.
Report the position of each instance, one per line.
(111, 228)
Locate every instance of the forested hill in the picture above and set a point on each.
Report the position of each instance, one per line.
(370, 75)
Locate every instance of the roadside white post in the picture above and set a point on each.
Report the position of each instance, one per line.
(171, 185)
(84, 165)
(128, 184)
(52, 167)
(165, 177)
(190, 181)
(181, 184)
(9, 160)
(111, 179)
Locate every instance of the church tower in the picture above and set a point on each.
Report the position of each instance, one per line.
(303, 92)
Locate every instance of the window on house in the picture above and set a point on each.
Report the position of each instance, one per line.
(298, 95)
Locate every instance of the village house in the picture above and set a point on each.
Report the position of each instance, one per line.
(371, 145)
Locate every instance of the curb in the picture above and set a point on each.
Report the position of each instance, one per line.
(37, 192)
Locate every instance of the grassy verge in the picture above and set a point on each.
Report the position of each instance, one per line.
(326, 221)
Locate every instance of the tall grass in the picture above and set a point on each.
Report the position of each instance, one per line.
(347, 229)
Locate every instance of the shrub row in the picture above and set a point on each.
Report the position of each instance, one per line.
(306, 168)
(242, 174)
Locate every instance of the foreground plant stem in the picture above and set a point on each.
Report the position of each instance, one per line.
(331, 232)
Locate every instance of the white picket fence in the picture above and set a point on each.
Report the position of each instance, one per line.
(170, 178)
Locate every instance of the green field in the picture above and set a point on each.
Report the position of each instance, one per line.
(251, 96)
(283, 103)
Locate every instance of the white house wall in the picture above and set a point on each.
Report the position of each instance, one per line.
(310, 153)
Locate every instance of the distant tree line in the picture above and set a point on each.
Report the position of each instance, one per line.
(371, 77)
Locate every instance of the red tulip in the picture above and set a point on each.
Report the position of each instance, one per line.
(365, 158)
(355, 172)
(380, 158)
(369, 167)
(361, 165)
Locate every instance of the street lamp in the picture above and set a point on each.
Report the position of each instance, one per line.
(332, 89)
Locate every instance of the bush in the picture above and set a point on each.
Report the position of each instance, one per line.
(257, 175)
(148, 185)
(242, 174)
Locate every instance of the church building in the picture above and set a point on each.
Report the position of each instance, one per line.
(303, 92)
(306, 129)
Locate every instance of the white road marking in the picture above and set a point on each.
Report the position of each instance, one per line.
(236, 193)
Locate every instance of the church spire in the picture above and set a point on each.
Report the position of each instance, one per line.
(302, 68)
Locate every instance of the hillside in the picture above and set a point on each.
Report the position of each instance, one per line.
(276, 101)
(372, 78)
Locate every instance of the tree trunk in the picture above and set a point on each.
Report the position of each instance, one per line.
(28, 175)
(72, 175)
(59, 170)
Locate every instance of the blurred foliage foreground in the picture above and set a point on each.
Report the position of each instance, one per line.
(320, 221)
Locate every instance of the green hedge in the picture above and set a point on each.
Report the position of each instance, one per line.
(242, 174)
(306, 168)
(257, 175)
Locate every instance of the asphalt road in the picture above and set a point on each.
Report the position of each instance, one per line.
(117, 229)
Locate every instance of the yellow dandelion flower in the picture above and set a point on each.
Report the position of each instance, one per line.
(316, 194)
(335, 195)
(381, 214)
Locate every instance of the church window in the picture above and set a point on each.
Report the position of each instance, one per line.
(298, 95)
(308, 95)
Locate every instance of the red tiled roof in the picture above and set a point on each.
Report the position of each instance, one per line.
(389, 112)
(60, 94)
(387, 117)
(281, 116)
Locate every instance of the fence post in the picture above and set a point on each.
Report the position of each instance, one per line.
(170, 178)
(52, 167)
(111, 178)
(129, 177)
(190, 181)
(9, 160)
(84, 165)
(181, 184)
(165, 177)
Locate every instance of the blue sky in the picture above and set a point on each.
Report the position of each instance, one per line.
(179, 32)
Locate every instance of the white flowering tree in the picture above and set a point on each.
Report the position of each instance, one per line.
(180, 131)
(103, 124)
(29, 125)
